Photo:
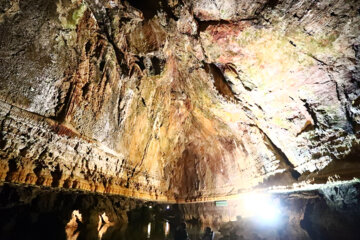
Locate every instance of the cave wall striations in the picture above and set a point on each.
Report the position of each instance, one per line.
(178, 100)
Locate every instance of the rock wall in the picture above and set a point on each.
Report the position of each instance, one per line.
(332, 212)
(178, 100)
(34, 212)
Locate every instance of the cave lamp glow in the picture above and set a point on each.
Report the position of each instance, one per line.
(262, 208)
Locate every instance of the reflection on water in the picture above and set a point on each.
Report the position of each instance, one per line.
(167, 228)
(104, 229)
(72, 226)
(103, 225)
(155, 230)
(149, 231)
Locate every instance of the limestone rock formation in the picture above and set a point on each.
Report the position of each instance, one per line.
(178, 100)
(33, 212)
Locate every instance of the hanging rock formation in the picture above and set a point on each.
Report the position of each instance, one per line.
(178, 100)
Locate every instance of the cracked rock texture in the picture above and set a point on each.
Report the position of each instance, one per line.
(331, 212)
(178, 100)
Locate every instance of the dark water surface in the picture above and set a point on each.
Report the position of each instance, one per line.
(155, 230)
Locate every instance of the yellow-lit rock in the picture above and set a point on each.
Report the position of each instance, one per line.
(187, 103)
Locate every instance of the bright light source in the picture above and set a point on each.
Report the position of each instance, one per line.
(262, 207)
(150, 206)
(167, 207)
(149, 230)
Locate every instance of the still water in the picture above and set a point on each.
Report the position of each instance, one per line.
(156, 230)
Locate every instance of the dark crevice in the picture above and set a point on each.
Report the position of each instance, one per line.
(157, 65)
(356, 48)
(140, 63)
(87, 47)
(203, 25)
(150, 8)
(143, 102)
(311, 112)
(119, 56)
(292, 43)
(318, 60)
(98, 50)
(2, 141)
(168, 9)
(258, 106)
(13, 166)
(62, 110)
(350, 126)
(348, 114)
(120, 109)
(248, 112)
(295, 174)
(37, 172)
(305, 223)
(355, 78)
(231, 67)
(127, 185)
(271, 4)
(336, 88)
(85, 89)
(296, 16)
(24, 151)
(221, 85)
(102, 65)
(308, 128)
(56, 176)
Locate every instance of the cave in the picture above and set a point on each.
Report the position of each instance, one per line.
(179, 119)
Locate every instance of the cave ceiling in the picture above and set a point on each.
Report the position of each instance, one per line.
(179, 100)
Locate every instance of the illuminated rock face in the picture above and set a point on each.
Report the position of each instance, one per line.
(180, 100)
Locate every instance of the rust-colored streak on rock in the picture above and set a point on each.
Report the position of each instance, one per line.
(147, 37)
(175, 108)
(64, 131)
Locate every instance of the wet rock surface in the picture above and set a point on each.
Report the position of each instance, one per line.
(33, 212)
(178, 100)
(46, 213)
(333, 212)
